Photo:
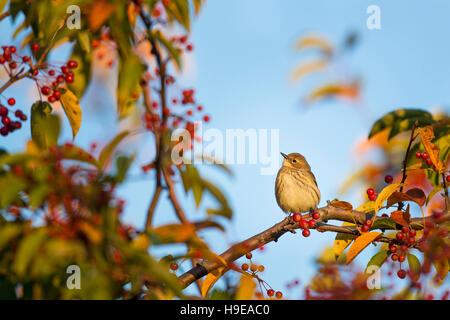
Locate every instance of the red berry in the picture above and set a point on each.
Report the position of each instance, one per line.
(306, 233)
(56, 94)
(405, 229)
(279, 295)
(412, 233)
(312, 223)
(189, 112)
(11, 101)
(156, 13)
(270, 292)
(401, 274)
(418, 154)
(72, 64)
(425, 155)
(400, 236)
(13, 65)
(297, 217)
(25, 59)
(365, 228)
(303, 224)
(206, 118)
(429, 162)
(68, 78)
(388, 179)
(174, 266)
(370, 192)
(51, 99)
(368, 222)
(35, 47)
(45, 90)
(393, 249)
(401, 258)
(244, 267)
(51, 72)
(23, 117)
(64, 69)
(189, 47)
(372, 197)
(394, 257)
(316, 215)
(3, 111)
(249, 255)
(18, 113)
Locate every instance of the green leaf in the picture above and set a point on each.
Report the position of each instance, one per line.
(45, 127)
(378, 259)
(383, 223)
(10, 188)
(38, 194)
(123, 163)
(27, 249)
(179, 10)
(225, 210)
(72, 109)
(414, 263)
(130, 75)
(433, 193)
(107, 151)
(401, 120)
(82, 73)
(173, 52)
(9, 232)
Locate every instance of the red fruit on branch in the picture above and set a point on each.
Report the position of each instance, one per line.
(11, 101)
(388, 179)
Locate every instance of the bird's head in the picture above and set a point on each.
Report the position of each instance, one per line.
(295, 161)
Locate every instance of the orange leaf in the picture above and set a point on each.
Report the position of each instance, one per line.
(403, 218)
(99, 13)
(427, 134)
(211, 279)
(360, 243)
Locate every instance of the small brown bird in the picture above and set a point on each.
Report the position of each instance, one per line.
(296, 187)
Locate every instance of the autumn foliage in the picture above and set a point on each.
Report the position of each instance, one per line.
(59, 205)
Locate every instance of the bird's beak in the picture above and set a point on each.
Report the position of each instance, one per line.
(284, 155)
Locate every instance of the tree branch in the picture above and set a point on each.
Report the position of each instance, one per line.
(286, 225)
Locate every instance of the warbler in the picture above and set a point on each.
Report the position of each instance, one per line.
(296, 187)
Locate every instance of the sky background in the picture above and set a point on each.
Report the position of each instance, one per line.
(244, 53)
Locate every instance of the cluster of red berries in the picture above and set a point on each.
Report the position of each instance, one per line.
(306, 224)
(425, 157)
(182, 42)
(366, 226)
(8, 124)
(254, 268)
(371, 194)
(405, 238)
(55, 77)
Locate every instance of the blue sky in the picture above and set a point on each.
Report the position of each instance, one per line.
(243, 56)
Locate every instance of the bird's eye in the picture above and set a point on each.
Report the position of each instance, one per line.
(294, 160)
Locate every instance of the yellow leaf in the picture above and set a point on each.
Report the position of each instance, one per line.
(306, 68)
(246, 288)
(385, 194)
(72, 109)
(366, 207)
(174, 233)
(360, 243)
(313, 41)
(94, 235)
(211, 279)
(442, 268)
(341, 244)
(142, 242)
(427, 134)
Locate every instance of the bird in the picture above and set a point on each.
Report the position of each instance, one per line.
(296, 187)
